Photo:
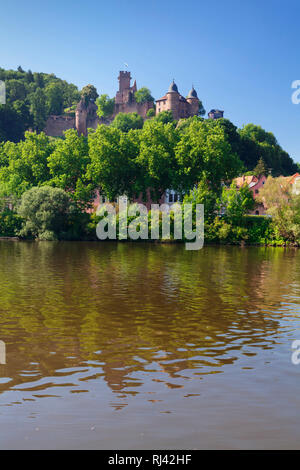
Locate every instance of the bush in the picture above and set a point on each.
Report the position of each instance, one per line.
(10, 223)
(151, 113)
(45, 212)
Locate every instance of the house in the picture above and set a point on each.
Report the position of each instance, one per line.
(294, 180)
(254, 184)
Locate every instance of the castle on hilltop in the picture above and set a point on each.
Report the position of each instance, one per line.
(181, 107)
(125, 102)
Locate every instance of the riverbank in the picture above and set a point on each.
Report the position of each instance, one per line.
(241, 244)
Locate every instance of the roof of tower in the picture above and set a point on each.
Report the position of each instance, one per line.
(173, 87)
(192, 93)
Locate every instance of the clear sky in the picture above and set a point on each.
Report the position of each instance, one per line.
(242, 56)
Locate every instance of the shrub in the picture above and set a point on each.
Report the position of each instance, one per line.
(10, 223)
(45, 212)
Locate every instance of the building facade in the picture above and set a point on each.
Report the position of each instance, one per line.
(181, 107)
(254, 183)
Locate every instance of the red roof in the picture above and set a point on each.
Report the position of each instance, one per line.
(291, 179)
(162, 99)
(245, 179)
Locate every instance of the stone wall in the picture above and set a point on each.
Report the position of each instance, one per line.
(56, 125)
(140, 108)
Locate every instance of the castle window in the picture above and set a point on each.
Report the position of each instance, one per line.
(170, 197)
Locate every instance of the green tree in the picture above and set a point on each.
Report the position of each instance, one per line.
(29, 77)
(10, 223)
(126, 121)
(260, 168)
(54, 97)
(39, 109)
(39, 80)
(201, 111)
(257, 143)
(45, 211)
(68, 165)
(113, 156)
(89, 93)
(164, 117)
(26, 164)
(236, 202)
(143, 95)
(157, 157)
(11, 124)
(151, 113)
(204, 153)
(105, 106)
(283, 206)
(204, 194)
(15, 90)
(30, 100)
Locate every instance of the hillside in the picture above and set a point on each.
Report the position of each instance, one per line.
(30, 99)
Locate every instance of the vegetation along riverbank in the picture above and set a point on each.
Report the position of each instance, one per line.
(50, 187)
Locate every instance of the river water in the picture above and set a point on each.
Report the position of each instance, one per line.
(148, 346)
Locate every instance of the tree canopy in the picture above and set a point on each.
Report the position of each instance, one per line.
(30, 99)
(105, 106)
(126, 121)
(143, 95)
(44, 211)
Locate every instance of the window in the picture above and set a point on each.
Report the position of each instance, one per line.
(256, 191)
(170, 197)
(256, 212)
(175, 197)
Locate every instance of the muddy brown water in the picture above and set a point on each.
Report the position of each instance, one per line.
(133, 345)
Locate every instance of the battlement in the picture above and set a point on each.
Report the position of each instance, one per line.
(124, 80)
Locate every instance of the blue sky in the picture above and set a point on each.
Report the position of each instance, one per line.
(241, 56)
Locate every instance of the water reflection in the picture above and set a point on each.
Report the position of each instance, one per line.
(138, 317)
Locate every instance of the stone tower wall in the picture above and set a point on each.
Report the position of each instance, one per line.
(194, 106)
(173, 104)
(81, 121)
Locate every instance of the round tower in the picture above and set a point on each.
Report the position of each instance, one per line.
(81, 118)
(193, 101)
(173, 100)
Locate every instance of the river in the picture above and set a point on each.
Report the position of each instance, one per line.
(148, 346)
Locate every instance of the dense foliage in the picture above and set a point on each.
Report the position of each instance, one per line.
(132, 157)
(30, 99)
(105, 106)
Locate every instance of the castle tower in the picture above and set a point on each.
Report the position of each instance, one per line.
(81, 118)
(193, 101)
(124, 80)
(173, 100)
